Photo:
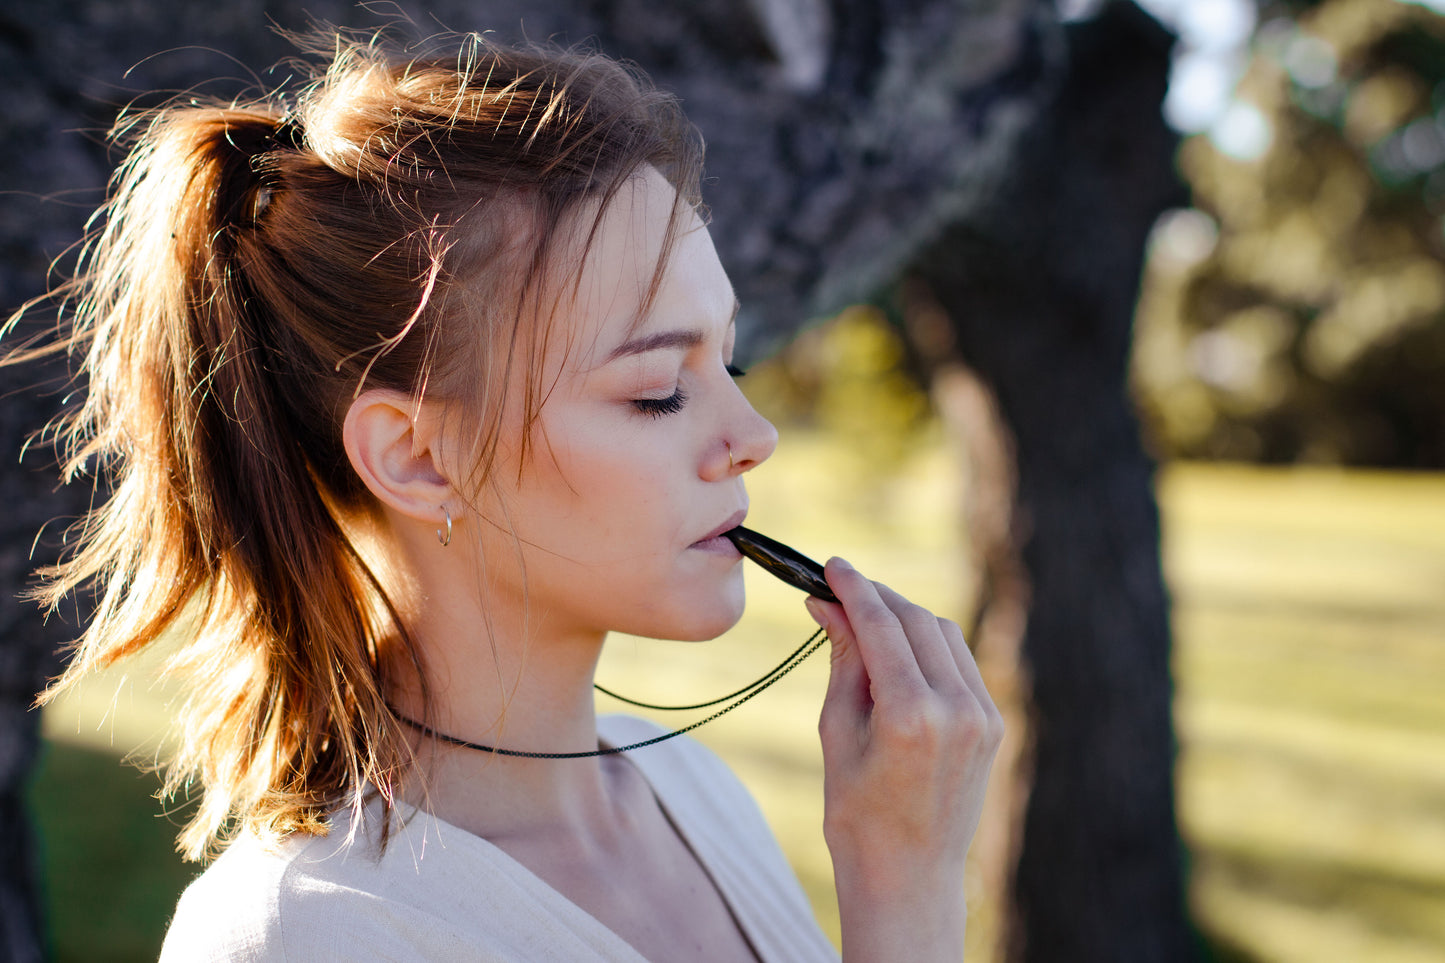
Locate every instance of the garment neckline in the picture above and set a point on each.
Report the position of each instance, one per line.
(416, 831)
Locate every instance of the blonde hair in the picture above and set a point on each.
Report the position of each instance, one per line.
(259, 263)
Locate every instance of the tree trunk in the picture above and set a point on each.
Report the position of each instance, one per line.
(1041, 294)
(29, 654)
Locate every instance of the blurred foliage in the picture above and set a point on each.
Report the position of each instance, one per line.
(1297, 313)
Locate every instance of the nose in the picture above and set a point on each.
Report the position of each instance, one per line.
(747, 440)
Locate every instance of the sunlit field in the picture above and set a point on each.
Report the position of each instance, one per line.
(1311, 665)
(1310, 612)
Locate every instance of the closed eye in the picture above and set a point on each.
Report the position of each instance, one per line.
(658, 407)
(735, 371)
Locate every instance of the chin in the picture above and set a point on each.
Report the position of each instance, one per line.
(701, 620)
(708, 629)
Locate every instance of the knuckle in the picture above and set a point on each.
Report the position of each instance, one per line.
(876, 616)
(997, 728)
(916, 620)
(973, 723)
(992, 731)
(919, 725)
(840, 823)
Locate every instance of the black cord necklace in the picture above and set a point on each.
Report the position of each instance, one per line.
(735, 699)
(787, 564)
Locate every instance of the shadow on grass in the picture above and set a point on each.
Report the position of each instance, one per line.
(1389, 899)
(1221, 948)
(109, 868)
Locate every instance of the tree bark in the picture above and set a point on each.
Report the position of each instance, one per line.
(1040, 292)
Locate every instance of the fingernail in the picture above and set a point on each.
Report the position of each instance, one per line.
(815, 609)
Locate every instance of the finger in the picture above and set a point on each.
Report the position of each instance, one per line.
(882, 646)
(924, 632)
(969, 671)
(963, 658)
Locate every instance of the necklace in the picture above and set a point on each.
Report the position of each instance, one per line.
(733, 700)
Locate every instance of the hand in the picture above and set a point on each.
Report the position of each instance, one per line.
(909, 733)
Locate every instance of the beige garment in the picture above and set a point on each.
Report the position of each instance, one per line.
(441, 893)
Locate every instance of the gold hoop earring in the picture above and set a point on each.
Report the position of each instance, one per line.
(445, 537)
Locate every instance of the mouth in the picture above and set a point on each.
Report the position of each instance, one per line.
(714, 541)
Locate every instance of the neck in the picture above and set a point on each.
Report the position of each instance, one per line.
(495, 674)
(501, 682)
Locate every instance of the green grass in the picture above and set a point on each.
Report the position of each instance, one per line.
(1310, 615)
(1311, 663)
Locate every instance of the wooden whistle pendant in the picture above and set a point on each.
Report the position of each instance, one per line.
(788, 564)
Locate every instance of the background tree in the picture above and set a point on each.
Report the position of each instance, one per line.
(1038, 288)
(1006, 167)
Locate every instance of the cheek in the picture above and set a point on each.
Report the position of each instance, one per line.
(617, 484)
(607, 512)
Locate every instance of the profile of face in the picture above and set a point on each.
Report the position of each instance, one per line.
(611, 520)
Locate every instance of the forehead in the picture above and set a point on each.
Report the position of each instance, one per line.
(619, 291)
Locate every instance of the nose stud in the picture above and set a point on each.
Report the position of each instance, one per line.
(730, 456)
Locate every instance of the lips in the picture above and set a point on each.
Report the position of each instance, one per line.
(733, 521)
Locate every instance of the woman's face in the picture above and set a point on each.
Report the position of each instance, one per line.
(635, 463)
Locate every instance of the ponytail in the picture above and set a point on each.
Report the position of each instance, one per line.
(216, 527)
(257, 266)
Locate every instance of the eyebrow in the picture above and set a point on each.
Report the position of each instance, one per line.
(656, 342)
(681, 338)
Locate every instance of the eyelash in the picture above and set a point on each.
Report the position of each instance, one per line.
(673, 403)
(658, 407)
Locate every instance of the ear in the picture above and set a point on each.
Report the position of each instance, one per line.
(391, 442)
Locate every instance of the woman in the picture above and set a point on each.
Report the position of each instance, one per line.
(410, 390)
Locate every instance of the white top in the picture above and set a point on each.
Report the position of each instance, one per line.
(441, 893)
